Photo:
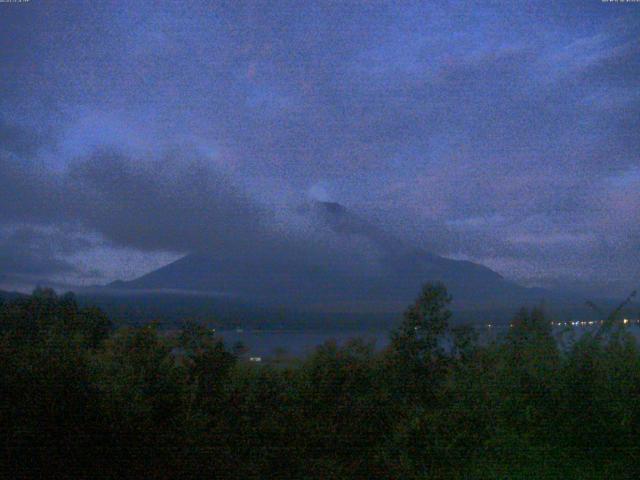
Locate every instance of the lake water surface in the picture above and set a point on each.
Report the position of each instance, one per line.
(266, 343)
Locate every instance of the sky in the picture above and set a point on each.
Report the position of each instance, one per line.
(506, 133)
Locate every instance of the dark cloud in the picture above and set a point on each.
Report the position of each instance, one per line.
(29, 255)
(20, 141)
(28, 193)
(175, 202)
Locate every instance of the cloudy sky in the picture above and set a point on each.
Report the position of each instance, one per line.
(507, 133)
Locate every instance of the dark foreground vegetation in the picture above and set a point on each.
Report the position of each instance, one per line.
(80, 400)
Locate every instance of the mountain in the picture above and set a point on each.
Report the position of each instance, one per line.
(6, 296)
(341, 263)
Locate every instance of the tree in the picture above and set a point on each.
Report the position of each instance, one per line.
(424, 323)
(141, 391)
(47, 404)
(416, 351)
(207, 361)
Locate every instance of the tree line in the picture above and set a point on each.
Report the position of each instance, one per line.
(81, 399)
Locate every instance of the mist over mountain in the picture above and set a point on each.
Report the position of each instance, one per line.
(346, 264)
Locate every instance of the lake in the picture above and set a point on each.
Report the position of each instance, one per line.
(266, 343)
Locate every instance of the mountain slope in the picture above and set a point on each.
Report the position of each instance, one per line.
(344, 264)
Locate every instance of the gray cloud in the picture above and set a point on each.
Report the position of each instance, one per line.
(170, 203)
(173, 202)
(29, 255)
(20, 141)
